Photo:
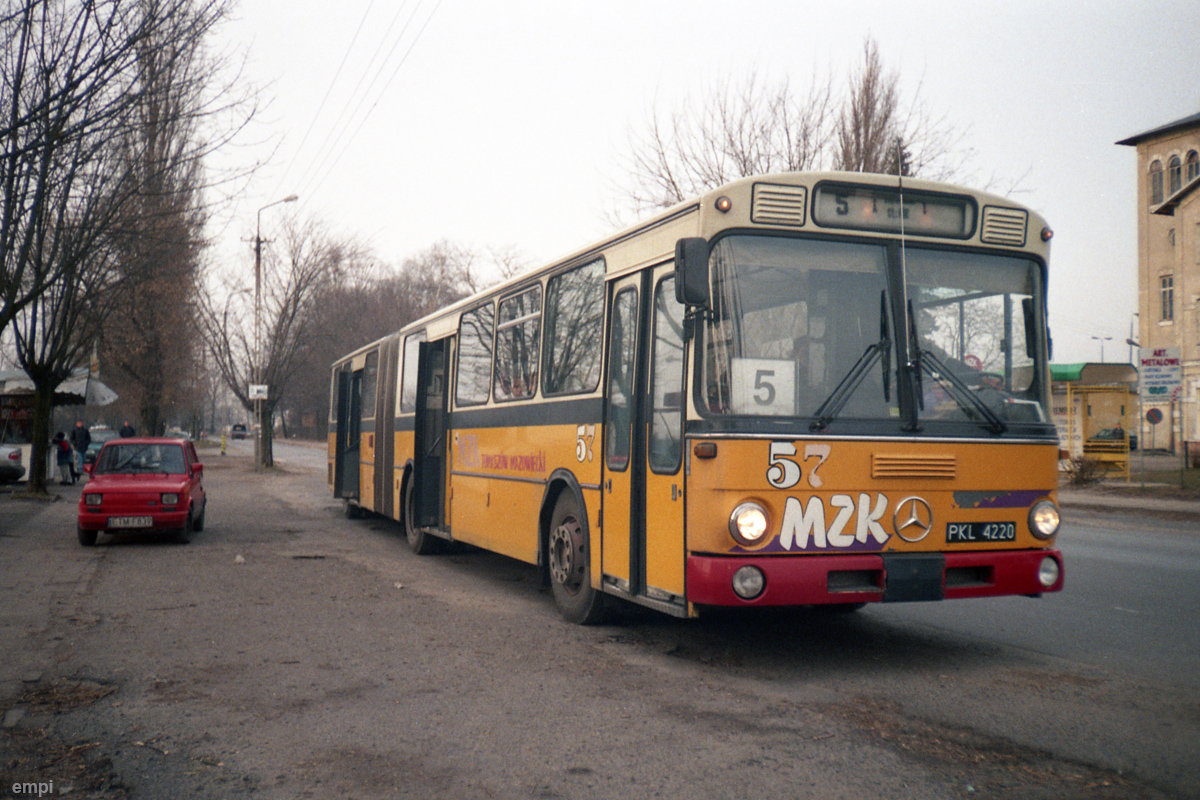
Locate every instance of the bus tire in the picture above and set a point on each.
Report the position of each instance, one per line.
(420, 542)
(568, 557)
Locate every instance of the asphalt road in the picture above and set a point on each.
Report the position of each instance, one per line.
(288, 652)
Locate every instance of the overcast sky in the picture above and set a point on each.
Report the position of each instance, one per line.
(505, 124)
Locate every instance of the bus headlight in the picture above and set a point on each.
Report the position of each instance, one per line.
(1048, 572)
(749, 582)
(748, 523)
(1044, 519)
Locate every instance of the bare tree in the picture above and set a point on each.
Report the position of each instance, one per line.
(56, 330)
(100, 152)
(292, 289)
(739, 130)
(367, 302)
(735, 131)
(63, 68)
(151, 340)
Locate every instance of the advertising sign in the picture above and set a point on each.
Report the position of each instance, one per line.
(1161, 374)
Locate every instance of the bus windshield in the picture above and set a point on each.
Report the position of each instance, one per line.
(804, 328)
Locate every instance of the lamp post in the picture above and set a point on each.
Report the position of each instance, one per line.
(1141, 415)
(260, 441)
(1102, 339)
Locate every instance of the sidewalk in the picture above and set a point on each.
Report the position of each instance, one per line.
(1121, 496)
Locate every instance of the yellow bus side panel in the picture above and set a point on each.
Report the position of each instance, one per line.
(499, 478)
(404, 442)
(855, 494)
(366, 471)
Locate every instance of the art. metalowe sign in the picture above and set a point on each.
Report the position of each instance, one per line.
(1161, 375)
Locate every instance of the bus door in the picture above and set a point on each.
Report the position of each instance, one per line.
(431, 423)
(643, 545)
(385, 428)
(345, 464)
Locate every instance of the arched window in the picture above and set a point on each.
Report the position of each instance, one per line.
(1156, 186)
(1193, 165)
(1175, 173)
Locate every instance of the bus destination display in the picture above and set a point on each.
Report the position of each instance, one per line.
(878, 209)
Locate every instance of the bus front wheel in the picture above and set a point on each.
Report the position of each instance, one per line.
(568, 558)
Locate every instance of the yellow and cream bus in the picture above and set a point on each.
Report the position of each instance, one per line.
(800, 389)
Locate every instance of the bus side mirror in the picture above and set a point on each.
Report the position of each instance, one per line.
(691, 271)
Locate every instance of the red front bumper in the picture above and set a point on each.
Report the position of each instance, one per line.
(824, 580)
(163, 520)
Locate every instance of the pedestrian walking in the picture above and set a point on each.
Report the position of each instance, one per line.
(80, 439)
(127, 430)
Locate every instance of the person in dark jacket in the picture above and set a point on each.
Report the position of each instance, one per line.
(127, 430)
(80, 439)
(62, 450)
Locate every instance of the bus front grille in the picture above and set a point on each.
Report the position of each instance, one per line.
(886, 465)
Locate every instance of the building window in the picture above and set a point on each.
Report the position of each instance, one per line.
(1168, 297)
(1171, 238)
(1193, 166)
(1156, 185)
(1175, 172)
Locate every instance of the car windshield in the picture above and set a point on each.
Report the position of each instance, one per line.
(805, 328)
(135, 459)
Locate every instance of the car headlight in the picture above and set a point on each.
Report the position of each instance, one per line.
(170, 498)
(1044, 519)
(92, 499)
(748, 523)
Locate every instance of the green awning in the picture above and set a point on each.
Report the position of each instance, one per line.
(1067, 372)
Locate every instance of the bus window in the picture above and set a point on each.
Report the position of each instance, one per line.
(622, 353)
(666, 392)
(408, 387)
(518, 332)
(475, 356)
(791, 318)
(370, 381)
(574, 318)
(970, 314)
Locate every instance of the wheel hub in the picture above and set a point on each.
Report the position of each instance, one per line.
(566, 547)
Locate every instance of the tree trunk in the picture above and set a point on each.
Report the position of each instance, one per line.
(39, 465)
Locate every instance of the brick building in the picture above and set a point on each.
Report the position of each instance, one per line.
(1169, 260)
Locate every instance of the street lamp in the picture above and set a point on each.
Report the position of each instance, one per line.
(260, 442)
(1102, 339)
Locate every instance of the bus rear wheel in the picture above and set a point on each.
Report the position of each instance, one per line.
(568, 558)
(421, 543)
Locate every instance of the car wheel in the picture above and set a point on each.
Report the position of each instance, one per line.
(198, 525)
(86, 538)
(184, 535)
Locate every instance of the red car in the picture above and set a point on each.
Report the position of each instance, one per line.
(143, 484)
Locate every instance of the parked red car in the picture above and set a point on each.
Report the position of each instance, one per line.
(143, 484)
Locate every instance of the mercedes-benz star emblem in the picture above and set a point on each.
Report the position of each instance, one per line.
(913, 519)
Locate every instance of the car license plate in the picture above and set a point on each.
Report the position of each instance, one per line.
(971, 532)
(130, 522)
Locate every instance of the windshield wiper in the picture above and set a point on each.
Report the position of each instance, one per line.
(967, 400)
(882, 351)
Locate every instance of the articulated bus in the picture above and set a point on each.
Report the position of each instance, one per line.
(803, 389)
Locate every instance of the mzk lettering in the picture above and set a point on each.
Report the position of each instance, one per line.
(804, 524)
